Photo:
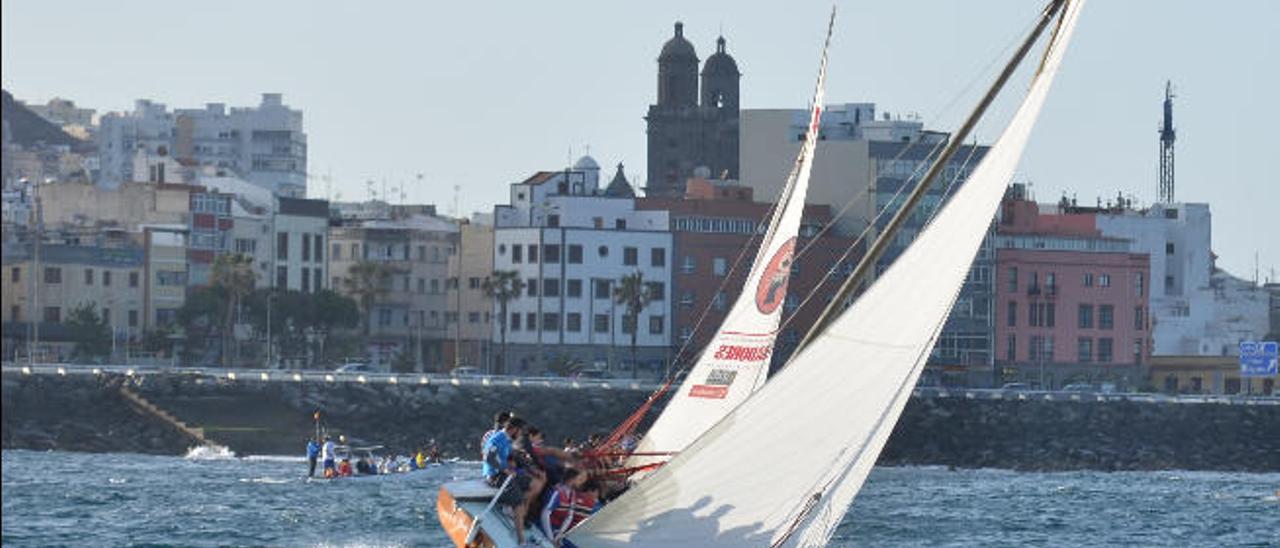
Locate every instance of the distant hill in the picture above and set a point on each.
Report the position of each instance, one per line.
(28, 128)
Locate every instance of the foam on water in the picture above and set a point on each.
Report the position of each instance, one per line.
(273, 458)
(209, 452)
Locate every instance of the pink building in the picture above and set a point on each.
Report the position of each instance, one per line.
(1071, 305)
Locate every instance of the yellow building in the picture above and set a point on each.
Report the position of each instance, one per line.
(1206, 375)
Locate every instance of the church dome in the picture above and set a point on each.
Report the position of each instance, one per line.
(586, 162)
(619, 187)
(720, 62)
(678, 48)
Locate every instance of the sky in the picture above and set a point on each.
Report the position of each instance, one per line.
(478, 95)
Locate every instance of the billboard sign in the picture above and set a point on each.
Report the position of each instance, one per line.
(1259, 359)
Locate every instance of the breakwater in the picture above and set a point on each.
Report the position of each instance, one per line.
(86, 413)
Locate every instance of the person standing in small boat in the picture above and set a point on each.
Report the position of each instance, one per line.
(328, 454)
(313, 453)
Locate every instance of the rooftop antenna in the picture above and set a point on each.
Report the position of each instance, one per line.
(1167, 137)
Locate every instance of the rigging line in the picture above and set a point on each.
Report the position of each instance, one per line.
(955, 98)
(868, 261)
(861, 236)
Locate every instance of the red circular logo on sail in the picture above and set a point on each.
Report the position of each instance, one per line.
(772, 290)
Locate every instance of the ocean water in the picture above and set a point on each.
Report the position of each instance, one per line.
(212, 498)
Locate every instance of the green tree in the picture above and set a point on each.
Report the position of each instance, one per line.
(634, 295)
(366, 282)
(233, 277)
(503, 286)
(298, 319)
(90, 331)
(197, 317)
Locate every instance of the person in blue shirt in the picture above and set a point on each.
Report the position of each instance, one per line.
(313, 453)
(497, 452)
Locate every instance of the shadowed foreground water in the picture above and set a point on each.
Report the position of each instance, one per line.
(120, 500)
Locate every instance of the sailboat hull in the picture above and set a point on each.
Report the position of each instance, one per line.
(462, 503)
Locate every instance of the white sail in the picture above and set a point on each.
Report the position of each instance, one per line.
(783, 467)
(736, 361)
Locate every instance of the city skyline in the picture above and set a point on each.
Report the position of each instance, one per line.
(587, 78)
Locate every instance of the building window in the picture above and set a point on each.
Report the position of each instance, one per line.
(336, 252)
(686, 299)
(1033, 315)
(171, 277)
(573, 322)
(657, 325)
(1168, 283)
(1104, 280)
(88, 276)
(15, 312)
(533, 254)
(550, 321)
(602, 289)
(603, 251)
(531, 321)
(306, 280)
(316, 276)
(384, 317)
(551, 287)
(422, 285)
(1051, 282)
(685, 334)
(473, 282)
(52, 314)
(133, 279)
(1139, 322)
(52, 275)
(601, 324)
(1137, 351)
(597, 222)
(719, 266)
(1011, 348)
(435, 286)
(15, 274)
(1085, 317)
(551, 253)
(282, 277)
(630, 256)
(282, 246)
(575, 254)
(573, 287)
(1168, 248)
(133, 318)
(553, 221)
(515, 321)
(720, 302)
(1084, 350)
(306, 247)
(657, 291)
(355, 251)
(1106, 316)
(688, 265)
(517, 254)
(1104, 350)
(1013, 279)
(531, 287)
(657, 257)
(1088, 279)
(1139, 283)
(620, 224)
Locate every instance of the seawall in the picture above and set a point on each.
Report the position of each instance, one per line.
(86, 413)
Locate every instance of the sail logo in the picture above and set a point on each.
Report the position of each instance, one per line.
(734, 353)
(772, 289)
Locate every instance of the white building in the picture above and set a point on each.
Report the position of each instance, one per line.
(1195, 309)
(263, 144)
(571, 241)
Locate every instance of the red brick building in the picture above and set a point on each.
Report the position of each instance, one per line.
(715, 230)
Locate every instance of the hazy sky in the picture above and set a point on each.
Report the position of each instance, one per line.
(482, 94)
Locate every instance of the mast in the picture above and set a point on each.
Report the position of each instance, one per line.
(854, 282)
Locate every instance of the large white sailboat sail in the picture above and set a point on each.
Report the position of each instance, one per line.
(736, 361)
(782, 468)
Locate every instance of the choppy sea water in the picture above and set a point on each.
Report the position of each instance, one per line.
(214, 499)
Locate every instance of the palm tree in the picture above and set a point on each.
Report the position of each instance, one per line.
(367, 281)
(503, 286)
(633, 293)
(233, 276)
